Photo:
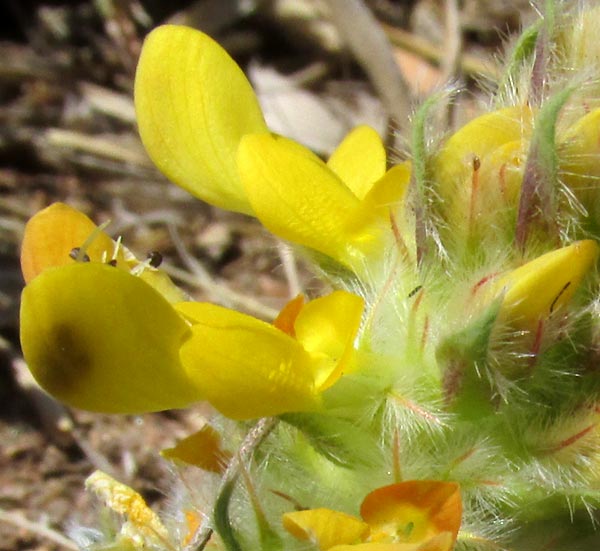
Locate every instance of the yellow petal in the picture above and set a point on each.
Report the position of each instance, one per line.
(443, 542)
(296, 196)
(360, 160)
(416, 509)
(389, 191)
(161, 282)
(579, 154)
(201, 449)
(327, 326)
(500, 177)
(51, 235)
(488, 212)
(247, 368)
(98, 338)
(542, 286)
(376, 546)
(454, 164)
(369, 546)
(381, 222)
(493, 201)
(384, 198)
(325, 528)
(289, 313)
(479, 137)
(193, 105)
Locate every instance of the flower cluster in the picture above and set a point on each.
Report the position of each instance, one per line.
(452, 376)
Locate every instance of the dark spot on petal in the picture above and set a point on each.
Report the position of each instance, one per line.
(64, 361)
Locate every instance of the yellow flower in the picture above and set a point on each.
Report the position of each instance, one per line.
(102, 336)
(248, 366)
(579, 152)
(539, 288)
(479, 171)
(200, 122)
(341, 208)
(56, 235)
(416, 515)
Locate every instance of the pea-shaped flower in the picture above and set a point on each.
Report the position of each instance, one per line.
(416, 515)
(478, 175)
(201, 124)
(102, 336)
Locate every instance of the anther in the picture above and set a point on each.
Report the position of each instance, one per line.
(75, 254)
(154, 259)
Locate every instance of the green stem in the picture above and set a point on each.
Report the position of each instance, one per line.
(222, 525)
(221, 514)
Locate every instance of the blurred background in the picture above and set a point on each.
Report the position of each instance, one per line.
(67, 133)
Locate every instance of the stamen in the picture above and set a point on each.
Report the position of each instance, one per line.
(79, 254)
(474, 189)
(153, 260)
(116, 249)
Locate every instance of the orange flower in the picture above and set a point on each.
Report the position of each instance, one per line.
(417, 515)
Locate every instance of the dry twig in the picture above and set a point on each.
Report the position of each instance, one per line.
(469, 64)
(19, 521)
(367, 41)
